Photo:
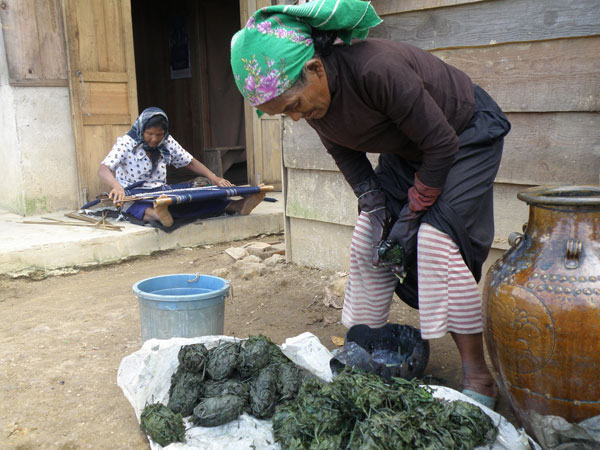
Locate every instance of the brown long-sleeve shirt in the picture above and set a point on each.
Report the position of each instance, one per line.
(390, 97)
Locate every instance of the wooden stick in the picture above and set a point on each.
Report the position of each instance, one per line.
(96, 223)
(38, 222)
(73, 224)
(101, 222)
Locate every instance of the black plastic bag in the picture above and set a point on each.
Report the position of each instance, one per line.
(390, 351)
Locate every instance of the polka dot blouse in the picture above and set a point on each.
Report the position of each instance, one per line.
(131, 164)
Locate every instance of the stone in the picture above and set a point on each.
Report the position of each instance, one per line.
(251, 258)
(237, 253)
(257, 248)
(334, 294)
(338, 340)
(248, 270)
(274, 260)
(221, 273)
(257, 245)
(338, 287)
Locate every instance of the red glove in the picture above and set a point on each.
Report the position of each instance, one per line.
(421, 197)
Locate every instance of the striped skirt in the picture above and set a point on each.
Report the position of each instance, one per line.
(449, 299)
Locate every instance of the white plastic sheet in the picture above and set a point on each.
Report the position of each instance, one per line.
(145, 377)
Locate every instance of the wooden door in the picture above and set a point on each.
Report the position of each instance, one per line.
(101, 74)
(263, 135)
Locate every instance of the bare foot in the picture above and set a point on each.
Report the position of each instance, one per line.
(246, 205)
(159, 213)
(164, 216)
(479, 379)
(251, 202)
(476, 375)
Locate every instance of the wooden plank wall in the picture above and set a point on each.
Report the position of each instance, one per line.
(540, 60)
(541, 63)
(34, 40)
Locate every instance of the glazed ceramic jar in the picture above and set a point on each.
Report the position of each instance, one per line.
(542, 306)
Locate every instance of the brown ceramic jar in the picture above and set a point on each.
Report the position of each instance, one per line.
(542, 306)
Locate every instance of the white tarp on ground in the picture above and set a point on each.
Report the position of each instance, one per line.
(145, 377)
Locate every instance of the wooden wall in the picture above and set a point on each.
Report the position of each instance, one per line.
(540, 60)
(541, 63)
(34, 41)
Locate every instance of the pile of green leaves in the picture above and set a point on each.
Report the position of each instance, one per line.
(161, 424)
(359, 410)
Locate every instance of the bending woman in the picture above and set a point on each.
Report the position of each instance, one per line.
(426, 210)
(143, 155)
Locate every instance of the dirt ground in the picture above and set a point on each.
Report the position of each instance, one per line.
(63, 338)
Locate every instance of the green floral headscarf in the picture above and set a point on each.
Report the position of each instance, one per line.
(268, 54)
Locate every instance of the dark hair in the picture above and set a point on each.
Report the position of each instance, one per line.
(157, 121)
(323, 41)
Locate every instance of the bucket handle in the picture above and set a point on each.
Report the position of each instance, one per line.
(572, 253)
(193, 280)
(196, 278)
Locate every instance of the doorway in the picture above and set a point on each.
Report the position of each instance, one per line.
(182, 66)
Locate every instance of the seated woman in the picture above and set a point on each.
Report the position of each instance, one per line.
(143, 155)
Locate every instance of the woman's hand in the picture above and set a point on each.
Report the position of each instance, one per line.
(371, 202)
(221, 182)
(117, 194)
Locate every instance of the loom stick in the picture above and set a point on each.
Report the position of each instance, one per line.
(166, 198)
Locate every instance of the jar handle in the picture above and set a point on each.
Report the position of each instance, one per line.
(514, 239)
(572, 253)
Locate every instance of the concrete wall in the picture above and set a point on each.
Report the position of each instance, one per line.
(45, 136)
(11, 184)
(37, 151)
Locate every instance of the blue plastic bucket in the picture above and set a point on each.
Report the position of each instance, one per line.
(181, 305)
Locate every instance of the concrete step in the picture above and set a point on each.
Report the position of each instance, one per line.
(27, 249)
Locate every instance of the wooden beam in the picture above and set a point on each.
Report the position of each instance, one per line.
(492, 22)
(38, 83)
(557, 75)
(21, 39)
(203, 41)
(385, 7)
(128, 59)
(551, 148)
(72, 37)
(271, 150)
(542, 148)
(105, 77)
(50, 34)
(107, 119)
